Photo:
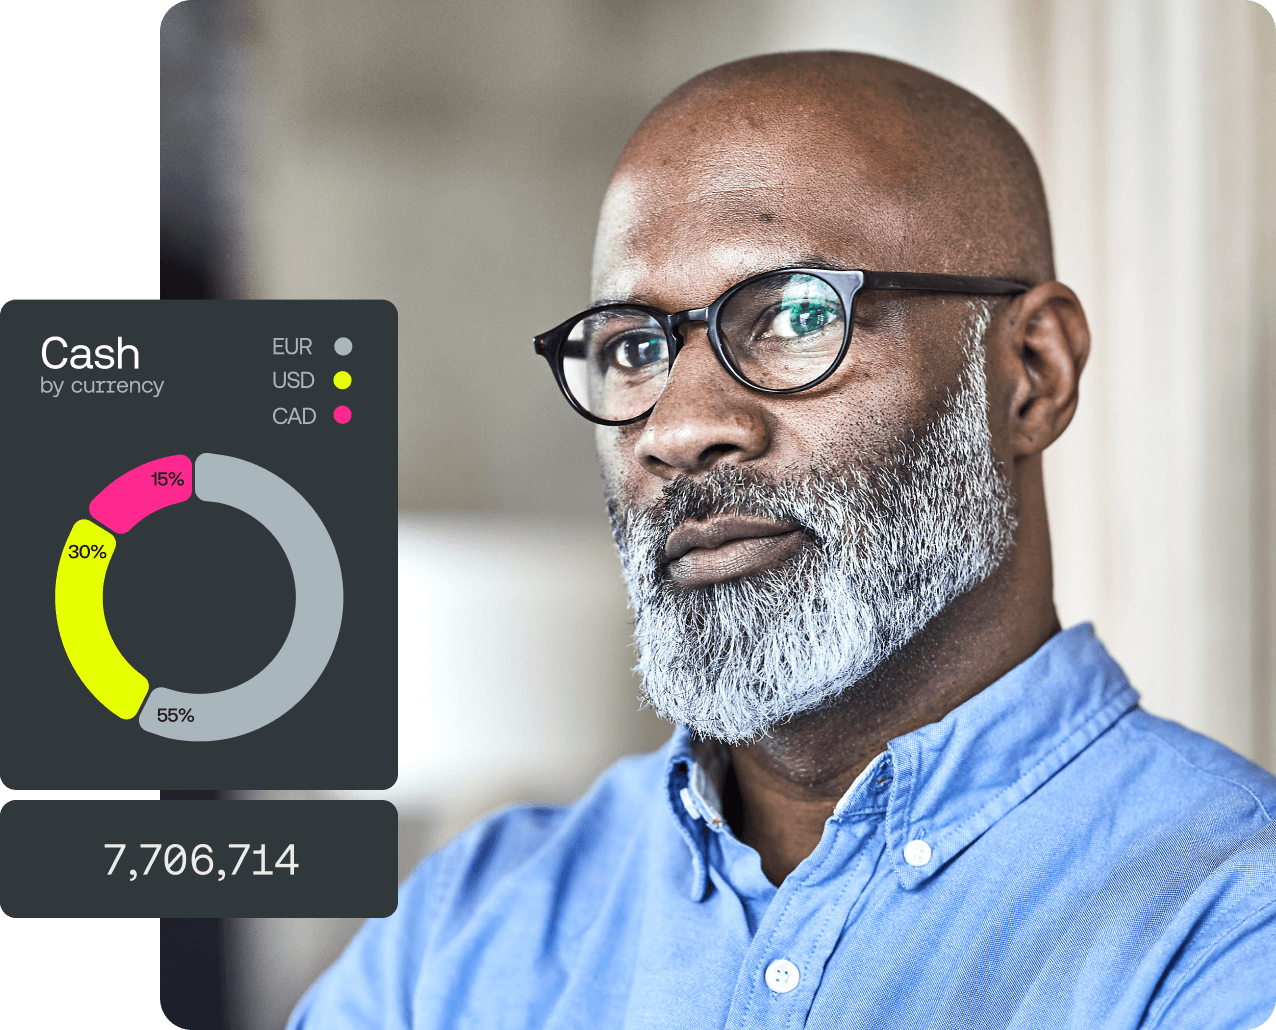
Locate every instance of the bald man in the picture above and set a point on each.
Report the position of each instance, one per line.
(825, 354)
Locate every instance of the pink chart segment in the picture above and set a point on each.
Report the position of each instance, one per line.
(143, 490)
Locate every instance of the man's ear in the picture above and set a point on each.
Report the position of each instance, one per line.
(1050, 341)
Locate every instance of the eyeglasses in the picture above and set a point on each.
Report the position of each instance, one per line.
(778, 332)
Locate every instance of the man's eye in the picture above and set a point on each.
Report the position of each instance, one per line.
(635, 351)
(800, 318)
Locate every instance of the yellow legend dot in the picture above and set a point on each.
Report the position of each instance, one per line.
(341, 380)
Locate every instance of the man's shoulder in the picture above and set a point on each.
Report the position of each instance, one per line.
(614, 799)
(1205, 858)
(1197, 769)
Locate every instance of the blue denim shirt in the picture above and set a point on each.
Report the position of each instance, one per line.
(1047, 855)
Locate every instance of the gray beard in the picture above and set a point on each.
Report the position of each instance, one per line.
(890, 545)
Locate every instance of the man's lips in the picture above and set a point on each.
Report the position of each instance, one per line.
(726, 546)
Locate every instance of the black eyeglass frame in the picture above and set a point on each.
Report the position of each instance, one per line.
(847, 284)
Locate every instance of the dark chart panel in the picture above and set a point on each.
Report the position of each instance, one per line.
(241, 458)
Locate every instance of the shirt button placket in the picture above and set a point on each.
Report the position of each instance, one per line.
(801, 929)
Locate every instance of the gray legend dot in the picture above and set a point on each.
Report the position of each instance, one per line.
(343, 346)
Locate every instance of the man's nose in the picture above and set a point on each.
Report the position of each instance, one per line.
(703, 418)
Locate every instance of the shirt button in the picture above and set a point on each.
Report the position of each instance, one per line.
(782, 976)
(916, 852)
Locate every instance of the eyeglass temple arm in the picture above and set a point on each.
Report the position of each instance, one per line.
(941, 283)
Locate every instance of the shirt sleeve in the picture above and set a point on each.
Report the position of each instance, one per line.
(372, 983)
(1230, 987)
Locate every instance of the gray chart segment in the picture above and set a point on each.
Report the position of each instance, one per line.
(316, 621)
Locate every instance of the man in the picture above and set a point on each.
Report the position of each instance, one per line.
(825, 355)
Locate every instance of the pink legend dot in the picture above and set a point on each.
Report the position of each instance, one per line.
(342, 414)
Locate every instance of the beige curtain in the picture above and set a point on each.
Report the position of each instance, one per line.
(1153, 124)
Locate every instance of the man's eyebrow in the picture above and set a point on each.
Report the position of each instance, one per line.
(814, 261)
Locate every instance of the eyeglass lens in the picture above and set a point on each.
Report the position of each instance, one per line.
(783, 330)
(616, 362)
(778, 332)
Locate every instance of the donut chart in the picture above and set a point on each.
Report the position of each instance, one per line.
(236, 710)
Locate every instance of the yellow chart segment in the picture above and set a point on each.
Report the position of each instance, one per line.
(77, 597)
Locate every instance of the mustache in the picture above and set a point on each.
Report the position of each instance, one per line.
(726, 490)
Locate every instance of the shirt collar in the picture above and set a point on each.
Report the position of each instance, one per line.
(950, 780)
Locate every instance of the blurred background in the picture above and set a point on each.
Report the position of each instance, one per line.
(451, 158)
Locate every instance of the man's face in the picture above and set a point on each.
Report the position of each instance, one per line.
(773, 544)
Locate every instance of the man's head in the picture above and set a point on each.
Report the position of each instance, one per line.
(779, 547)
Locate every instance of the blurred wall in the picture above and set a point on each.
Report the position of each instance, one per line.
(451, 158)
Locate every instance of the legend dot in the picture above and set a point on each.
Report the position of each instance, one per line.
(341, 380)
(342, 414)
(343, 346)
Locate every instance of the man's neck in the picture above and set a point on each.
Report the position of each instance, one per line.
(781, 790)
